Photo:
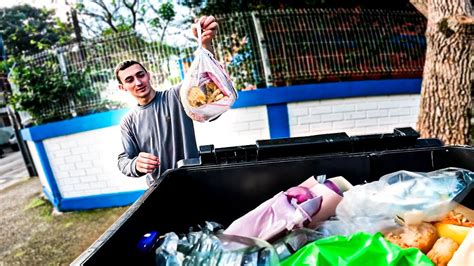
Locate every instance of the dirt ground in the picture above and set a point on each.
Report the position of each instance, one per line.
(31, 235)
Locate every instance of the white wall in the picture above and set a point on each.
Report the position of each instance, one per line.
(85, 163)
(355, 116)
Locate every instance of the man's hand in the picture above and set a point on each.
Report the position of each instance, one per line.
(146, 162)
(209, 29)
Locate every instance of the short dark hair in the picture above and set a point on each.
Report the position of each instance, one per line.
(124, 65)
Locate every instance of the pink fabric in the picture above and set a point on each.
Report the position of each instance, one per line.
(278, 214)
(273, 217)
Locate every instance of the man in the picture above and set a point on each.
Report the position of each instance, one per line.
(157, 133)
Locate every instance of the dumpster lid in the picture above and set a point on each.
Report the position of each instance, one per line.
(401, 138)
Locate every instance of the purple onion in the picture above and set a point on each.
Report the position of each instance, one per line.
(301, 194)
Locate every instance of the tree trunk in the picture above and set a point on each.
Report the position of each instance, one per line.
(447, 75)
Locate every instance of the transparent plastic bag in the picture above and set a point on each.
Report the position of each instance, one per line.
(206, 91)
(407, 196)
(210, 247)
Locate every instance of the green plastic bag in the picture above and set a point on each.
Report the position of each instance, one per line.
(356, 249)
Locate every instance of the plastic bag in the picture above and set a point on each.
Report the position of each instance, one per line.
(410, 197)
(210, 247)
(206, 91)
(357, 249)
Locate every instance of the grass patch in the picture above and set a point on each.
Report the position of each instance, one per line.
(19, 254)
(35, 202)
(41, 207)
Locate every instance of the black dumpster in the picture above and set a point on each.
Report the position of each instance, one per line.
(225, 183)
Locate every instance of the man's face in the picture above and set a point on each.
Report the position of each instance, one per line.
(135, 80)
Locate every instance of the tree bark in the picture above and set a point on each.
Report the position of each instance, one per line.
(447, 75)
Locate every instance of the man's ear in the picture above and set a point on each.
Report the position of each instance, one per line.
(120, 86)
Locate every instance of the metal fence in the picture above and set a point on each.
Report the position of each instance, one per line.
(259, 49)
(323, 44)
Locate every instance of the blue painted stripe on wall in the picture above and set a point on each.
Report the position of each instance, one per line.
(278, 120)
(74, 125)
(333, 90)
(43, 157)
(274, 95)
(100, 201)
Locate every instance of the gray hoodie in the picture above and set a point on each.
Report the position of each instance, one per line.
(161, 128)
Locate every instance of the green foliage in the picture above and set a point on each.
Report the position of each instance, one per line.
(36, 202)
(166, 11)
(43, 89)
(165, 14)
(30, 30)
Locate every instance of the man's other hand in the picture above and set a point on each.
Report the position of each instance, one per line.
(146, 162)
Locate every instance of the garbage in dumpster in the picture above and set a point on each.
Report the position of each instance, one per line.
(356, 249)
(147, 242)
(282, 219)
(421, 236)
(465, 253)
(457, 224)
(206, 91)
(442, 251)
(282, 213)
(222, 190)
(295, 240)
(410, 197)
(210, 247)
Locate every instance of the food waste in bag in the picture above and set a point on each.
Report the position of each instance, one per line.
(206, 91)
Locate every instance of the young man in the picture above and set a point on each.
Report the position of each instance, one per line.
(157, 133)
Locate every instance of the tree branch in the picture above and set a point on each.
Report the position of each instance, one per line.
(163, 32)
(421, 6)
(89, 28)
(107, 16)
(131, 7)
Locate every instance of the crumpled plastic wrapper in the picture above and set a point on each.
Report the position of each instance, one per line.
(210, 247)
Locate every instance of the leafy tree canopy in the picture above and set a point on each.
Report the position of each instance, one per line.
(26, 29)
